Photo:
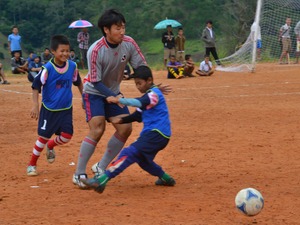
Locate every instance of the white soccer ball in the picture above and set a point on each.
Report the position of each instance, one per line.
(249, 201)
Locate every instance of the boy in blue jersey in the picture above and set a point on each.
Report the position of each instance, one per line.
(55, 116)
(153, 111)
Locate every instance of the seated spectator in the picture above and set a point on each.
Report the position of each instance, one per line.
(73, 57)
(34, 68)
(205, 68)
(175, 69)
(46, 56)
(189, 66)
(30, 57)
(127, 73)
(18, 64)
(2, 75)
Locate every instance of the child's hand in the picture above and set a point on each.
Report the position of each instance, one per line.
(34, 114)
(112, 99)
(165, 89)
(116, 120)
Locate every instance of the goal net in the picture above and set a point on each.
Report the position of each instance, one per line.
(271, 16)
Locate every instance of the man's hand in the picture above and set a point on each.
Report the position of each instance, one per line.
(34, 114)
(112, 99)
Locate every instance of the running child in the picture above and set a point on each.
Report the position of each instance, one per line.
(55, 115)
(153, 111)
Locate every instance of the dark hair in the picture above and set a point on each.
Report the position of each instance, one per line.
(187, 57)
(57, 40)
(206, 56)
(209, 21)
(172, 56)
(14, 26)
(109, 18)
(46, 49)
(169, 26)
(72, 50)
(180, 28)
(142, 72)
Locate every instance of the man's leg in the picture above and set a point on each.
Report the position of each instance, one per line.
(215, 55)
(115, 144)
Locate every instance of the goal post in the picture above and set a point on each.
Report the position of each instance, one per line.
(270, 16)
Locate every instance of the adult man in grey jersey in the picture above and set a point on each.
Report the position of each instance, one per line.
(107, 58)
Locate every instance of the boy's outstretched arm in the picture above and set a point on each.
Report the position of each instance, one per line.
(35, 109)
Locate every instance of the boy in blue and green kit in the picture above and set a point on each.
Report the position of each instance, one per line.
(152, 110)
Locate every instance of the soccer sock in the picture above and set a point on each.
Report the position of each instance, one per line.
(63, 138)
(86, 151)
(114, 146)
(165, 177)
(103, 179)
(37, 149)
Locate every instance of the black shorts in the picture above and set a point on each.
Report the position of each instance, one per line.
(55, 122)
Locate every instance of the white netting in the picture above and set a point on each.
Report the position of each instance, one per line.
(273, 15)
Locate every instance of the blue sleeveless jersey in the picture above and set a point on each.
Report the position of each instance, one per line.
(156, 118)
(57, 89)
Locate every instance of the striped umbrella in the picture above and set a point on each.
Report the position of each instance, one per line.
(80, 24)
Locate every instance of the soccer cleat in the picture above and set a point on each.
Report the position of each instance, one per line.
(97, 183)
(50, 154)
(169, 182)
(97, 170)
(31, 171)
(77, 180)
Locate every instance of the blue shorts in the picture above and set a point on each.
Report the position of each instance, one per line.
(96, 105)
(258, 44)
(150, 143)
(55, 122)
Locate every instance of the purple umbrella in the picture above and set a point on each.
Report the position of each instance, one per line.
(80, 24)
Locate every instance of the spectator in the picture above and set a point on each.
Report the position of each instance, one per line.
(2, 75)
(46, 56)
(297, 32)
(168, 40)
(31, 57)
(179, 46)
(209, 38)
(18, 64)
(258, 39)
(73, 56)
(175, 69)
(285, 41)
(34, 68)
(83, 40)
(14, 42)
(189, 66)
(205, 68)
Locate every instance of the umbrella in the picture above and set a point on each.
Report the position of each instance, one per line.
(80, 24)
(164, 23)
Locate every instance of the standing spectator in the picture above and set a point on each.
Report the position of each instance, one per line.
(179, 45)
(34, 68)
(205, 68)
(73, 57)
(297, 32)
(189, 66)
(285, 39)
(46, 56)
(18, 64)
(83, 40)
(14, 42)
(168, 40)
(209, 38)
(258, 39)
(175, 69)
(2, 75)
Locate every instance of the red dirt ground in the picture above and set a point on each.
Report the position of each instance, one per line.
(230, 131)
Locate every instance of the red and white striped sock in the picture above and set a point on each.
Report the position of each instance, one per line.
(62, 139)
(37, 149)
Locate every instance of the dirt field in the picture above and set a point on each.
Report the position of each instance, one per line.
(230, 131)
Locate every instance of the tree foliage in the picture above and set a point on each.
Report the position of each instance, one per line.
(38, 21)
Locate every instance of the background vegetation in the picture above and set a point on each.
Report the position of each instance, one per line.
(38, 21)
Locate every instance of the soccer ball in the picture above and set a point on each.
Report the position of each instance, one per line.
(249, 201)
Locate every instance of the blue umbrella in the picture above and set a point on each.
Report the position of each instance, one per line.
(164, 23)
(80, 24)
